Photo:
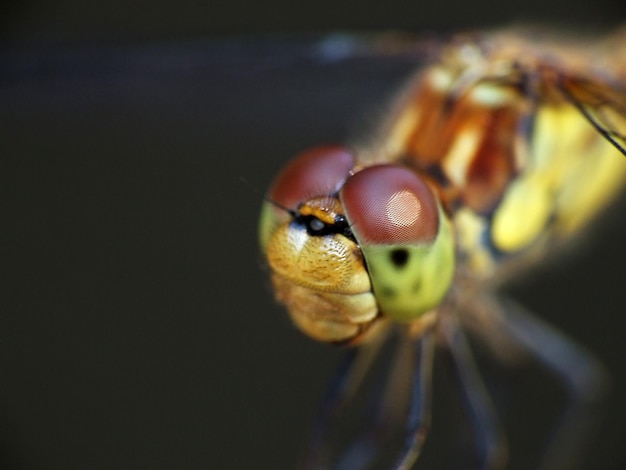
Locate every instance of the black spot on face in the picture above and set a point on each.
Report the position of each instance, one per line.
(387, 291)
(399, 257)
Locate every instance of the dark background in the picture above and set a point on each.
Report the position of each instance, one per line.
(137, 327)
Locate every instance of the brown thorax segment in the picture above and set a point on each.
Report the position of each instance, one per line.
(467, 137)
(467, 122)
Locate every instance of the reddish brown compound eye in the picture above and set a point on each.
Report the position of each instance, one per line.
(320, 171)
(390, 204)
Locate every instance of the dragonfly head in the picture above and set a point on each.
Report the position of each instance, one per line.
(346, 247)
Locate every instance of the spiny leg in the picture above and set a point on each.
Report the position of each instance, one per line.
(583, 377)
(489, 436)
(418, 419)
(341, 388)
(364, 450)
(386, 404)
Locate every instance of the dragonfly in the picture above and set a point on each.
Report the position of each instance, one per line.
(497, 153)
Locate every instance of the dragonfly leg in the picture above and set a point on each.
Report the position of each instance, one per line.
(364, 450)
(584, 379)
(490, 439)
(340, 390)
(418, 420)
(385, 401)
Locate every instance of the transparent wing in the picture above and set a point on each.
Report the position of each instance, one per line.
(603, 104)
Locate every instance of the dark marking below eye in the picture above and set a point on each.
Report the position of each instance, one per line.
(399, 257)
(387, 291)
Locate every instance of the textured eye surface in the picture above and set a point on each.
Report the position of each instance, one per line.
(390, 204)
(317, 172)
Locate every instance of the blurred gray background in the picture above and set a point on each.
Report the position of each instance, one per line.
(137, 327)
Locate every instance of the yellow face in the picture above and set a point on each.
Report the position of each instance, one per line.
(321, 279)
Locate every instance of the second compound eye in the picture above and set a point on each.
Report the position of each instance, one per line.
(320, 171)
(390, 204)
